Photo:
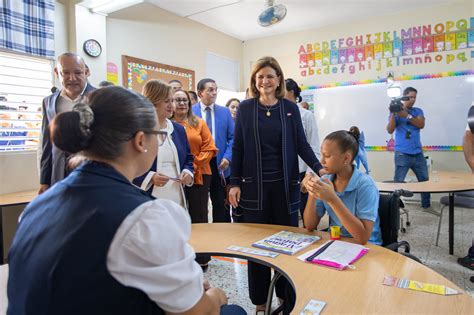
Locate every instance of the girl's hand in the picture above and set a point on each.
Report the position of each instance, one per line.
(309, 183)
(324, 190)
(305, 181)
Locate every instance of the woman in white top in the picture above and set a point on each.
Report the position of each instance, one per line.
(80, 247)
(173, 168)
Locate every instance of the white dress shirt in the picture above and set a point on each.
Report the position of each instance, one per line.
(150, 252)
(311, 131)
(204, 115)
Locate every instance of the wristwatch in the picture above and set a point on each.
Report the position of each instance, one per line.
(409, 117)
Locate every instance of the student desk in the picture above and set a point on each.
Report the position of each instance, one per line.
(348, 291)
(440, 182)
(13, 199)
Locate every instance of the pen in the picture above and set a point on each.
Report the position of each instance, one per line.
(319, 251)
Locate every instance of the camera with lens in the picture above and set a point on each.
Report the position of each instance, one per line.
(396, 104)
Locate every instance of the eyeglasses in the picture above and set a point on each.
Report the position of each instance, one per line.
(68, 74)
(181, 100)
(161, 136)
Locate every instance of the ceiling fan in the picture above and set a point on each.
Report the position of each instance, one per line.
(272, 14)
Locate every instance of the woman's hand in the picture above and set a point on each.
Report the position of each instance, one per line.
(234, 196)
(185, 178)
(160, 179)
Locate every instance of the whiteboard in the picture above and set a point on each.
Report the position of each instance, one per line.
(444, 101)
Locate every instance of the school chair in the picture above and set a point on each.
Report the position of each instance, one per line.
(403, 211)
(462, 199)
(389, 214)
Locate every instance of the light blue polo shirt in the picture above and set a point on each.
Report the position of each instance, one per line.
(361, 197)
(402, 126)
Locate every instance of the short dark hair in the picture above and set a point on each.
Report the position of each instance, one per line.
(194, 94)
(291, 85)
(175, 81)
(232, 100)
(346, 140)
(105, 84)
(409, 89)
(118, 115)
(202, 84)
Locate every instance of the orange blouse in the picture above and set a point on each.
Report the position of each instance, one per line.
(202, 147)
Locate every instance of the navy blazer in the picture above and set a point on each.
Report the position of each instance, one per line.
(185, 156)
(224, 125)
(247, 159)
(53, 160)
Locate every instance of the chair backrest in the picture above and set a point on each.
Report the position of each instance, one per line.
(389, 214)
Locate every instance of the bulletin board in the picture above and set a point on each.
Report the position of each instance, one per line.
(136, 72)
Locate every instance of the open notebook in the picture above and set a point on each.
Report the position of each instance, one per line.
(335, 254)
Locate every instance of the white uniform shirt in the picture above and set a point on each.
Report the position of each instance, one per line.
(150, 252)
(311, 131)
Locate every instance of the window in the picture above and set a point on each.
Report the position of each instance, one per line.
(24, 82)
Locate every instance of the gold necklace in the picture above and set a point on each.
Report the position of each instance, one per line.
(268, 109)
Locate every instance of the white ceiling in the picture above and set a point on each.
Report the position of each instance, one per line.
(239, 18)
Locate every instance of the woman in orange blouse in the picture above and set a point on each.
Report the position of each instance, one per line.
(203, 149)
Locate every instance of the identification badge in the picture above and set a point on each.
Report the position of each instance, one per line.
(408, 134)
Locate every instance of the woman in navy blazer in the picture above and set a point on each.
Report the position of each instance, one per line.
(268, 138)
(174, 166)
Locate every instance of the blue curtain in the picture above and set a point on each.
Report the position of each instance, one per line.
(27, 26)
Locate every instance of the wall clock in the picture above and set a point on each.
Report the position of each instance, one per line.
(92, 48)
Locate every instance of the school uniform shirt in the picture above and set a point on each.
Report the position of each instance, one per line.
(361, 197)
(151, 247)
(96, 244)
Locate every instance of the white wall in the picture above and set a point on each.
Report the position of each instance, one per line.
(89, 25)
(147, 32)
(285, 49)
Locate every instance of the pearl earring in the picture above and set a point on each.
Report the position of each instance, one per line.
(145, 150)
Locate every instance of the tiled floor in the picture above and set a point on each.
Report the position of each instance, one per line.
(421, 234)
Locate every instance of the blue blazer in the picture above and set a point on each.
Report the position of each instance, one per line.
(185, 156)
(247, 163)
(224, 125)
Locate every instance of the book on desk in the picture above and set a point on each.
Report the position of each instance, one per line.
(286, 242)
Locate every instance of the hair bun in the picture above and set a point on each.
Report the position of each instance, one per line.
(86, 118)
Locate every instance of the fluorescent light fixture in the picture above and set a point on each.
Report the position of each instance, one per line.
(109, 6)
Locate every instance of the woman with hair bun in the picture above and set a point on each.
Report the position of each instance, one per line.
(348, 196)
(81, 246)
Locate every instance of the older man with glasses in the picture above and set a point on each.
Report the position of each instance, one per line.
(72, 72)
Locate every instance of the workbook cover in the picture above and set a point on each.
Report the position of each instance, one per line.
(286, 242)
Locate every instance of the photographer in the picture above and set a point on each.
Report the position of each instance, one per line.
(407, 121)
